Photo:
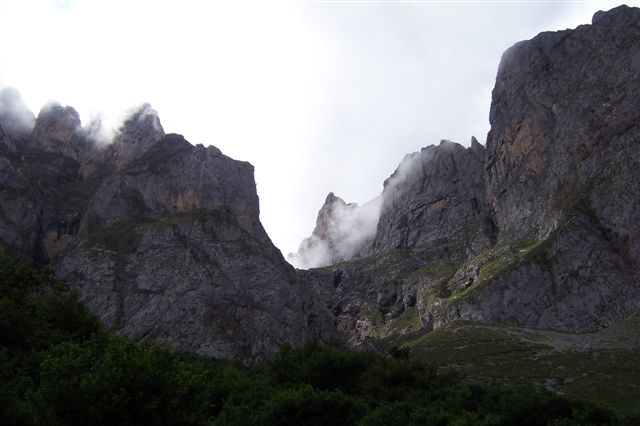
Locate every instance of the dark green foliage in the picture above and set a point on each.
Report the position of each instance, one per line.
(324, 367)
(35, 312)
(58, 368)
(306, 405)
(112, 381)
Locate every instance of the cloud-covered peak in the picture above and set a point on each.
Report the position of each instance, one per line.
(431, 191)
(341, 231)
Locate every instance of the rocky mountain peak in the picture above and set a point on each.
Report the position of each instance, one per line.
(432, 200)
(319, 248)
(55, 126)
(161, 239)
(140, 131)
(616, 16)
(477, 148)
(325, 219)
(342, 230)
(434, 196)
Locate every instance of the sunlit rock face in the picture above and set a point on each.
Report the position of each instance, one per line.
(161, 239)
(538, 229)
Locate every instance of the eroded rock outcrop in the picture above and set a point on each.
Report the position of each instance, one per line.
(562, 167)
(160, 238)
(542, 228)
(435, 202)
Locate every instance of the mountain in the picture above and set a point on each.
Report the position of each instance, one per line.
(160, 239)
(538, 229)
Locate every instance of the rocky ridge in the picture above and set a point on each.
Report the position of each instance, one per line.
(540, 228)
(161, 239)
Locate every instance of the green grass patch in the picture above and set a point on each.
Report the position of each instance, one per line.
(476, 274)
(407, 322)
(592, 368)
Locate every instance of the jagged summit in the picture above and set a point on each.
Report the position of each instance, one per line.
(139, 132)
(161, 239)
(439, 181)
(55, 126)
(342, 231)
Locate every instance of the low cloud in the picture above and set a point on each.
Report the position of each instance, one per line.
(18, 120)
(104, 129)
(341, 231)
(345, 230)
(95, 130)
(15, 117)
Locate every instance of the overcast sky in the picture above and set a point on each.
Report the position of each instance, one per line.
(318, 96)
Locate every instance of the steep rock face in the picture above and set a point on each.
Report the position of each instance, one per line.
(174, 177)
(541, 230)
(563, 166)
(160, 238)
(55, 129)
(435, 202)
(563, 104)
(199, 282)
(138, 133)
(19, 202)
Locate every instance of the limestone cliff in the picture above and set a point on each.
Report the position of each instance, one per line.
(161, 239)
(435, 202)
(562, 169)
(541, 227)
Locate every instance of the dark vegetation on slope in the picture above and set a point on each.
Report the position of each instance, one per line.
(58, 366)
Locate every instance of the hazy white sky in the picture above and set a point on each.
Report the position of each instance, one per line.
(319, 96)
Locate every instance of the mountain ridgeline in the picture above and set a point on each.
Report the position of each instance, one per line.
(161, 239)
(538, 227)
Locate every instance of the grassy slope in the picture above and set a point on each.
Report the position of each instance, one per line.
(602, 367)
